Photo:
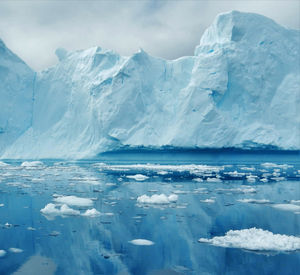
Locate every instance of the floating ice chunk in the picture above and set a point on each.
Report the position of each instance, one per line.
(162, 173)
(157, 199)
(74, 201)
(198, 179)
(237, 190)
(1, 204)
(235, 174)
(141, 242)
(31, 228)
(3, 164)
(30, 164)
(15, 250)
(251, 178)
(208, 201)
(2, 253)
(287, 207)
(295, 201)
(51, 210)
(213, 180)
(138, 177)
(262, 201)
(264, 180)
(274, 165)
(255, 239)
(248, 168)
(278, 178)
(91, 213)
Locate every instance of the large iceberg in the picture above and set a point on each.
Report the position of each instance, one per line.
(241, 89)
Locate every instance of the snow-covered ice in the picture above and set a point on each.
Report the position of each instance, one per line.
(256, 240)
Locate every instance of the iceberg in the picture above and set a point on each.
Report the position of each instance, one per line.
(240, 90)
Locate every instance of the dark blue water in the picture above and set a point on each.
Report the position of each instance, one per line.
(100, 245)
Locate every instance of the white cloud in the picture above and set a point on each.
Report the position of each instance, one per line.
(169, 29)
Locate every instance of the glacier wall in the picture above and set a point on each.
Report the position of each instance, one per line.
(241, 89)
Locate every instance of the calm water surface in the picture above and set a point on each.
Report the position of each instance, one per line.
(100, 245)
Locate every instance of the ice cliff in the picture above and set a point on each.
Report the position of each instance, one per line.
(240, 89)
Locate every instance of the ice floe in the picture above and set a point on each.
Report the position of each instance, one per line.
(138, 177)
(191, 168)
(208, 201)
(256, 240)
(32, 164)
(141, 242)
(91, 213)
(74, 201)
(287, 207)
(257, 201)
(274, 165)
(157, 199)
(237, 190)
(53, 210)
(2, 253)
(15, 250)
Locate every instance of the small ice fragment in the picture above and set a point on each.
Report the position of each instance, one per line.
(138, 177)
(208, 201)
(15, 250)
(32, 164)
(91, 213)
(141, 242)
(162, 173)
(1, 204)
(213, 180)
(31, 228)
(198, 179)
(2, 253)
(54, 233)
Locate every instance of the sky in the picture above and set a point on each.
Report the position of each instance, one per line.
(168, 29)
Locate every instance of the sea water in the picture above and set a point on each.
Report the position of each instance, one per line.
(124, 235)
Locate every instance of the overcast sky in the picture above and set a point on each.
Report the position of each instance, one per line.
(168, 29)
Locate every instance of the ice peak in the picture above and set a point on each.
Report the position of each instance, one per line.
(238, 27)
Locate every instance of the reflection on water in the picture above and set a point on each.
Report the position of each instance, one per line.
(211, 200)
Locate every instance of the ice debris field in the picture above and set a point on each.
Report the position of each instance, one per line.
(111, 214)
(240, 89)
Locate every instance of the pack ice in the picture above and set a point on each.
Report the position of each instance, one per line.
(240, 89)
